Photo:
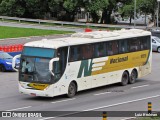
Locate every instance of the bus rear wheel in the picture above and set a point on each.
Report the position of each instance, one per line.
(125, 78)
(133, 77)
(72, 90)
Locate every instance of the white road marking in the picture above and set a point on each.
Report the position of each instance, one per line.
(47, 118)
(60, 115)
(63, 100)
(19, 108)
(112, 105)
(139, 86)
(102, 107)
(128, 118)
(102, 93)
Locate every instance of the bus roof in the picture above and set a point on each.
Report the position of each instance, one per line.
(88, 37)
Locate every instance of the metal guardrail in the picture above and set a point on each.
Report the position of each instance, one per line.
(39, 21)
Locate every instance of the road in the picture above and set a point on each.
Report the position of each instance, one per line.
(39, 26)
(133, 97)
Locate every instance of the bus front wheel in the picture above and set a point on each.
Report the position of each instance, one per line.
(125, 78)
(72, 90)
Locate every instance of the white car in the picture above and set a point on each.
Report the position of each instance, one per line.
(155, 44)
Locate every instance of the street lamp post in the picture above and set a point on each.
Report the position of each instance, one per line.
(135, 2)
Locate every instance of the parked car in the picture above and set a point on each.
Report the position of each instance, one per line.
(6, 62)
(155, 44)
(155, 32)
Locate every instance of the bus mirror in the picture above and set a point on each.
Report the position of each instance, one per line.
(14, 61)
(51, 64)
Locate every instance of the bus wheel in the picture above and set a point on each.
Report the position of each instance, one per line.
(2, 68)
(71, 90)
(133, 77)
(125, 78)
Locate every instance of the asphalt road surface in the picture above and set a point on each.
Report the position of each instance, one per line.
(133, 97)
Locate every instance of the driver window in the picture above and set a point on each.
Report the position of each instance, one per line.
(59, 66)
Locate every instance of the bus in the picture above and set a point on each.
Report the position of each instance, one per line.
(52, 67)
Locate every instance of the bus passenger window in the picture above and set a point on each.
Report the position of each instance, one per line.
(134, 45)
(100, 50)
(144, 43)
(75, 53)
(112, 48)
(87, 51)
(123, 46)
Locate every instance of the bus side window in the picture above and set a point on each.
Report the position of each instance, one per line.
(144, 43)
(87, 51)
(134, 44)
(75, 53)
(112, 47)
(123, 46)
(61, 64)
(100, 50)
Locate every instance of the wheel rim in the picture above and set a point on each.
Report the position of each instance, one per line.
(133, 76)
(158, 50)
(125, 79)
(71, 90)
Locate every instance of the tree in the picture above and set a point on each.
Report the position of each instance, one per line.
(94, 7)
(107, 11)
(143, 6)
(147, 7)
(71, 7)
(36, 8)
(11, 8)
(128, 10)
(65, 9)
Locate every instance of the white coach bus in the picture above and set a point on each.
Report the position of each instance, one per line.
(84, 61)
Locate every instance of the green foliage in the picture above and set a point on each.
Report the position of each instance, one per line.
(13, 32)
(70, 5)
(36, 8)
(11, 8)
(67, 9)
(97, 5)
(146, 6)
(94, 7)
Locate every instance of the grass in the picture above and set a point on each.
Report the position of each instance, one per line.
(14, 32)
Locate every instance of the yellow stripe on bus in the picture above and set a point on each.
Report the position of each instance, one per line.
(124, 61)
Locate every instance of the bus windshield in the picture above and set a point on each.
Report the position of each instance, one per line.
(35, 65)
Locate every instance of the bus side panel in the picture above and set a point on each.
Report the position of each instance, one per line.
(103, 71)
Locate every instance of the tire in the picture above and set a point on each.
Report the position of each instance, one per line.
(2, 68)
(158, 49)
(125, 78)
(133, 77)
(72, 89)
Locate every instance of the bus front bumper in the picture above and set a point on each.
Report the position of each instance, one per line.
(26, 88)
